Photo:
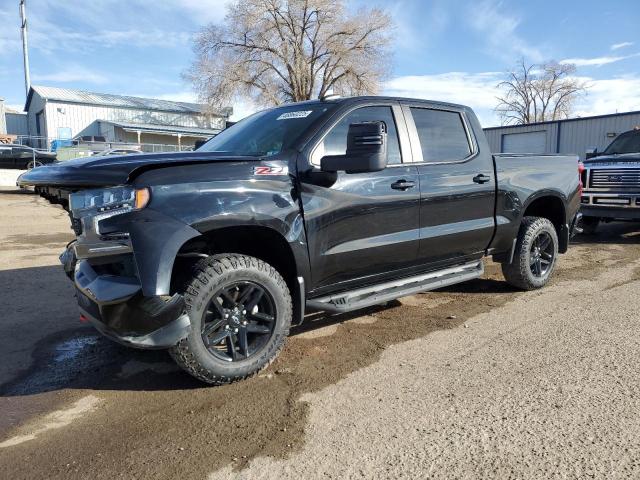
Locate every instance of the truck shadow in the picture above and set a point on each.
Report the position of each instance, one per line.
(41, 329)
(622, 233)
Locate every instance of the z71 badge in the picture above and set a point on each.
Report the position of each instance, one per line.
(270, 170)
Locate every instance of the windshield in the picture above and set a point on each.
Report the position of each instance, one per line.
(267, 133)
(628, 142)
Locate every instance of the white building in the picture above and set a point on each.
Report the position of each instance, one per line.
(62, 114)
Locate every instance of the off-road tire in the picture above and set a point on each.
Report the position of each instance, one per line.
(209, 275)
(518, 273)
(589, 225)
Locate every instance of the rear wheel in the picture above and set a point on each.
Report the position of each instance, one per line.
(240, 311)
(535, 255)
(590, 225)
(33, 164)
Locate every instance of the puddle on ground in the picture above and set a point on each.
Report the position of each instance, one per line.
(72, 348)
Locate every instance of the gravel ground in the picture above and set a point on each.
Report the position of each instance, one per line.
(474, 381)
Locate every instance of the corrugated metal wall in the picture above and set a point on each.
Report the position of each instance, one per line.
(17, 123)
(35, 107)
(81, 118)
(570, 136)
(578, 136)
(495, 136)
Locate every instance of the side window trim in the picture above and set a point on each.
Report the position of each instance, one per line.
(401, 129)
(416, 147)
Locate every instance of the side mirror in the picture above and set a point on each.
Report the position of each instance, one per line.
(591, 152)
(366, 150)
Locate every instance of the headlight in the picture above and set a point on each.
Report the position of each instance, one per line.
(107, 202)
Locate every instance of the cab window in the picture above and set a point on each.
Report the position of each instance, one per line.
(442, 135)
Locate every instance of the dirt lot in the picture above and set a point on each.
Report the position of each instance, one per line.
(475, 381)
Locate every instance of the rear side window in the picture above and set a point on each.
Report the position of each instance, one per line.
(335, 142)
(442, 135)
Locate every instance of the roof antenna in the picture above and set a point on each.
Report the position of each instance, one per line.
(25, 47)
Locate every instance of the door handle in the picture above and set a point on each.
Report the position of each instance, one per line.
(402, 185)
(481, 178)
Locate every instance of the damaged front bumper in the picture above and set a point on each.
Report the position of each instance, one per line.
(114, 304)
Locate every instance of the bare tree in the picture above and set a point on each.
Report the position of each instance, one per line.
(538, 93)
(276, 51)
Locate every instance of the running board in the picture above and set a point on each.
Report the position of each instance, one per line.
(377, 294)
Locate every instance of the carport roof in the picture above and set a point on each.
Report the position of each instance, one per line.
(164, 129)
(71, 95)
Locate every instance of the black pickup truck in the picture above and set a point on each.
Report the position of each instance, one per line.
(328, 205)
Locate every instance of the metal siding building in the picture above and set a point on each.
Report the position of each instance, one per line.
(571, 136)
(59, 113)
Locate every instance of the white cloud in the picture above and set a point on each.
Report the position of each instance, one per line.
(620, 94)
(477, 90)
(17, 107)
(597, 61)
(10, 43)
(499, 29)
(618, 46)
(71, 74)
(242, 108)
(202, 11)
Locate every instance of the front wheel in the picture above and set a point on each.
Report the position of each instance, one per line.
(535, 254)
(240, 311)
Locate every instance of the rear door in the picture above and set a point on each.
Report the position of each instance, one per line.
(363, 227)
(457, 185)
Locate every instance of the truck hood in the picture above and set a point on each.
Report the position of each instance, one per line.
(114, 170)
(610, 159)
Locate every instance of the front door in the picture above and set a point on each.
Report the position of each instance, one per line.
(457, 186)
(364, 227)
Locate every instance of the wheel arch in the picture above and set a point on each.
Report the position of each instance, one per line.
(552, 206)
(263, 242)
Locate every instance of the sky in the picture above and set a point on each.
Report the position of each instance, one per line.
(450, 50)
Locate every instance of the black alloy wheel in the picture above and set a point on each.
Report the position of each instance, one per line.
(541, 254)
(238, 321)
(534, 257)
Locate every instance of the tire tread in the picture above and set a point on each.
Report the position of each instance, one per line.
(517, 272)
(204, 272)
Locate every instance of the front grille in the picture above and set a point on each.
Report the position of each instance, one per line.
(620, 178)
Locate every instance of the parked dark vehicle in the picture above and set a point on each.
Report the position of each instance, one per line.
(23, 157)
(324, 205)
(612, 182)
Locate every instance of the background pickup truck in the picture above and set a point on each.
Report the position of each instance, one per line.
(328, 205)
(612, 182)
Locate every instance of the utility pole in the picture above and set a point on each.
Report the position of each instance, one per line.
(25, 47)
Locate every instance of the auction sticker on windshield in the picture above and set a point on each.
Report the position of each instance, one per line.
(296, 114)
